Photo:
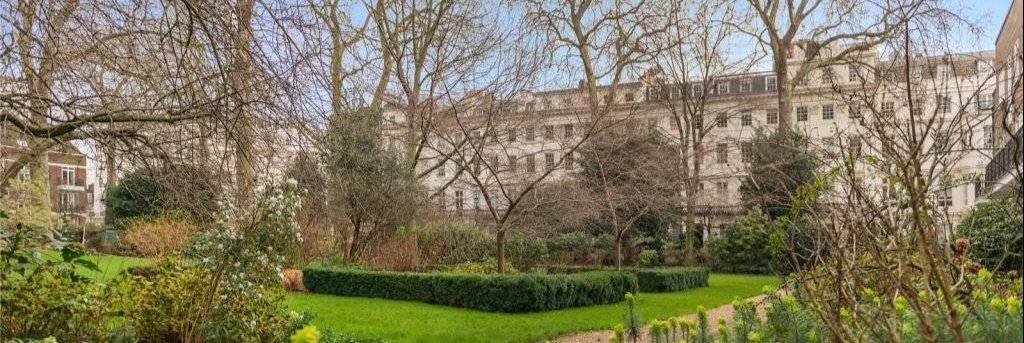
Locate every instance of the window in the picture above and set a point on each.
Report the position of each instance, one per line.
(441, 170)
(803, 81)
(983, 66)
(530, 134)
(23, 174)
(531, 164)
(944, 104)
(746, 118)
(570, 160)
(512, 163)
(476, 166)
(989, 141)
(745, 86)
(721, 121)
(801, 113)
(888, 108)
(916, 72)
(828, 112)
(723, 88)
(476, 201)
(826, 76)
(512, 135)
(458, 200)
(493, 135)
(629, 97)
(549, 161)
(944, 197)
(771, 84)
(722, 189)
(853, 74)
(985, 102)
(549, 132)
(943, 71)
(918, 108)
(21, 143)
(855, 146)
(67, 200)
(773, 117)
(746, 151)
(722, 150)
(568, 130)
(854, 112)
(495, 163)
(67, 176)
(698, 122)
(697, 91)
(531, 106)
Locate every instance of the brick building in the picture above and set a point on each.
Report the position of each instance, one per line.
(71, 196)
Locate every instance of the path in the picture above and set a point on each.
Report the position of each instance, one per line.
(724, 311)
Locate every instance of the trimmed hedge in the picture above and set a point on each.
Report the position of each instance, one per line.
(671, 279)
(496, 293)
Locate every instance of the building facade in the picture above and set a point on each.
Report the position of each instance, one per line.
(511, 143)
(1004, 172)
(71, 196)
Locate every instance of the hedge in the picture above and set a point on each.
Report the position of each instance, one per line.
(671, 279)
(496, 293)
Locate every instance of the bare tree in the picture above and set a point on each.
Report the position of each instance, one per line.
(685, 80)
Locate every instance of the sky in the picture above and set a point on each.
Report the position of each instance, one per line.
(991, 13)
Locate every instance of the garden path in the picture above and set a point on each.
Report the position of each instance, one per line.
(724, 311)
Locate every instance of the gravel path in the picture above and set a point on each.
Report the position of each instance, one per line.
(724, 311)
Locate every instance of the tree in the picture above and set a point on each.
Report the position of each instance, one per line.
(743, 246)
(993, 231)
(172, 188)
(816, 34)
(777, 171)
(695, 60)
(27, 202)
(371, 187)
(629, 176)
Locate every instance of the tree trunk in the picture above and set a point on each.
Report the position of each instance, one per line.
(241, 79)
(357, 226)
(783, 86)
(501, 251)
(691, 224)
(618, 252)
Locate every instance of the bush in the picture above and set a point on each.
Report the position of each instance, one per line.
(454, 244)
(647, 258)
(994, 233)
(671, 279)
(158, 236)
(497, 293)
(486, 267)
(525, 251)
(742, 247)
(176, 188)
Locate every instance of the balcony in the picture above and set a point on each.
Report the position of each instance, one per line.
(1002, 175)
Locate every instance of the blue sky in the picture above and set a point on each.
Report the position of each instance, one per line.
(991, 13)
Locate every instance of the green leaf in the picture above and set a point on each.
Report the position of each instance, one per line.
(88, 264)
(69, 253)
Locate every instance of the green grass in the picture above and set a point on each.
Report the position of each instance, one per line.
(406, 321)
(109, 265)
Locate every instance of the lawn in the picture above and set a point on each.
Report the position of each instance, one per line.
(405, 321)
(109, 265)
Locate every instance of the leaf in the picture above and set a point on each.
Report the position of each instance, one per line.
(69, 253)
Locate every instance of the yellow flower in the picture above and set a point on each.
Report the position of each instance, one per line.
(1013, 305)
(307, 334)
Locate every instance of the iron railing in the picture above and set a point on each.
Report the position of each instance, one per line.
(1005, 162)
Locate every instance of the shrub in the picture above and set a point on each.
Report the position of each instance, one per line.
(454, 244)
(42, 298)
(489, 266)
(742, 247)
(994, 233)
(671, 279)
(175, 188)
(498, 293)
(525, 251)
(647, 258)
(158, 236)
